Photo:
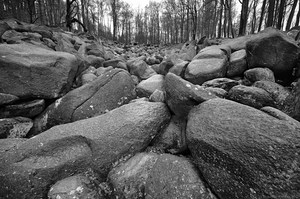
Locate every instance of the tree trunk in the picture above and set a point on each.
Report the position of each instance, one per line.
(280, 14)
(289, 21)
(220, 20)
(271, 13)
(298, 16)
(262, 15)
(243, 19)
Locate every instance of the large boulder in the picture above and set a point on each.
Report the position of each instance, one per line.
(237, 64)
(28, 170)
(182, 95)
(279, 93)
(274, 50)
(200, 70)
(26, 109)
(28, 71)
(251, 96)
(107, 92)
(146, 87)
(259, 74)
(149, 175)
(173, 138)
(140, 68)
(17, 127)
(243, 152)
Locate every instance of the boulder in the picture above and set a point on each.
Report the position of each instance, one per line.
(211, 52)
(17, 127)
(77, 186)
(152, 60)
(96, 49)
(244, 153)
(179, 68)
(28, 71)
(276, 91)
(100, 71)
(219, 92)
(88, 78)
(292, 107)
(259, 74)
(141, 69)
(149, 175)
(275, 50)
(157, 96)
(182, 95)
(146, 87)
(237, 64)
(172, 139)
(26, 109)
(165, 66)
(188, 51)
(224, 83)
(28, 170)
(97, 62)
(107, 92)
(3, 28)
(7, 99)
(251, 96)
(201, 70)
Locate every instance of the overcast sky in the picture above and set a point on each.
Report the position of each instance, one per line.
(139, 3)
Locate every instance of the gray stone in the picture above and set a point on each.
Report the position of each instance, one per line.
(149, 175)
(201, 70)
(251, 96)
(29, 169)
(243, 152)
(237, 64)
(17, 127)
(28, 71)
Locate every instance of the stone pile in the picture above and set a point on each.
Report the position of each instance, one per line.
(84, 118)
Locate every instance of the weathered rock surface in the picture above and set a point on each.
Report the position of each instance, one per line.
(146, 87)
(200, 70)
(7, 99)
(244, 153)
(149, 175)
(251, 96)
(259, 74)
(28, 71)
(276, 91)
(28, 170)
(182, 95)
(141, 69)
(77, 186)
(173, 138)
(17, 127)
(224, 83)
(158, 96)
(179, 68)
(237, 64)
(28, 109)
(107, 92)
(274, 50)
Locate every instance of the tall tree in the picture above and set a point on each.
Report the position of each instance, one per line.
(291, 15)
(244, 16)
(280, 13)
(271, 13)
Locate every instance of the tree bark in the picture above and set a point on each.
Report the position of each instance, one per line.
(243, 19)
(280, 14)
(289, 21)
(271, 13)
(263, 8)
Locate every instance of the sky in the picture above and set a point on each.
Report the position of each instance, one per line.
(135, 4)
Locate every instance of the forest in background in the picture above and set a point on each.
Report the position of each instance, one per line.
(169, 21)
